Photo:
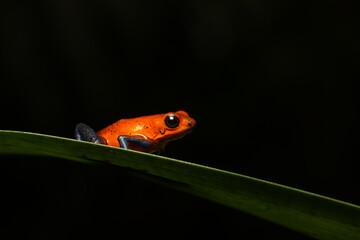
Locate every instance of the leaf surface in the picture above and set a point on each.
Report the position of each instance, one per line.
(312, 214)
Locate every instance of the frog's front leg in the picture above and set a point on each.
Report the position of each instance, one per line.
(138, 139)
(85, 133)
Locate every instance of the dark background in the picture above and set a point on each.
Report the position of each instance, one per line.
(272, 85)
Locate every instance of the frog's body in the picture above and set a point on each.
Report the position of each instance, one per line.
(146, 134)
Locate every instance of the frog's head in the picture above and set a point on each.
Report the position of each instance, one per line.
(175, 125)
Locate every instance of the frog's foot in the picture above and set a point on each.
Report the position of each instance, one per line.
(85, 133)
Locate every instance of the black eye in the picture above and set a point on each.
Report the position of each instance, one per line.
(172, 121)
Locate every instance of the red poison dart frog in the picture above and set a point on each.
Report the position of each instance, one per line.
(145, 134)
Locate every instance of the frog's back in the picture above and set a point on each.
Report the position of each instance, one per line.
(129, 127)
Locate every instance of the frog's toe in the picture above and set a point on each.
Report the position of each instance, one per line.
(85, 133)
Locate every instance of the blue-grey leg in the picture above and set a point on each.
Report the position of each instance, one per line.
(124, 140)
(85, 133)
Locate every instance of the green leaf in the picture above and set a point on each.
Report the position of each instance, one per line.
(312, 214)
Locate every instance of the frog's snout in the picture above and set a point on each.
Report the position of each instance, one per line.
(191, 123)
(188, 122)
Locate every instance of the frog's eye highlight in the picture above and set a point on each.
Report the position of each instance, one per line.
(172, 121)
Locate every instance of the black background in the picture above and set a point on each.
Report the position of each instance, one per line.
(272, 85)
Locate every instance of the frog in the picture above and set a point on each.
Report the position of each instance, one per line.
(145, 134)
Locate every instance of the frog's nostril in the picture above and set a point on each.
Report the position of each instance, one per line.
(191, 123)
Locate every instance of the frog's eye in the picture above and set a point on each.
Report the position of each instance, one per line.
(172, 121)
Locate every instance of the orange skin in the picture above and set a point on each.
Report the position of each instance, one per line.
(150, 130)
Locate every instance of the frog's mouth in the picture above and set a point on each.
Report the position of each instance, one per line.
(190, 130)
(180, 135)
